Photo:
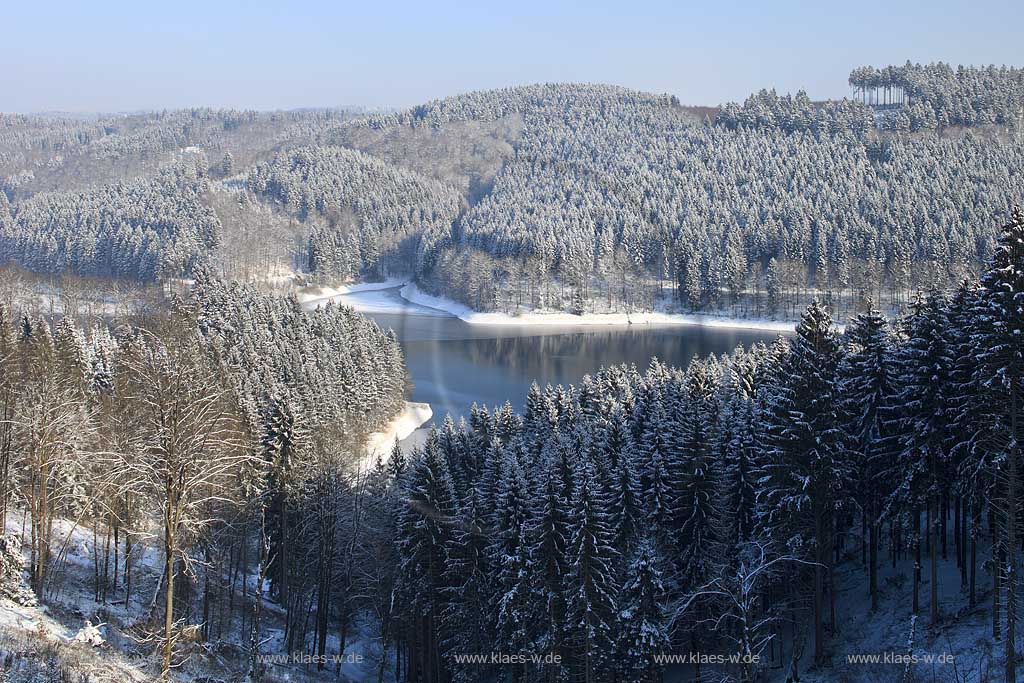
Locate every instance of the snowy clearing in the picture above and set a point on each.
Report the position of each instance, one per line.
(410, 292)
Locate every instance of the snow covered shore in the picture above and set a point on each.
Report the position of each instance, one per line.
(318, 294)
(411, 293)
(405, 423)
(372, 299)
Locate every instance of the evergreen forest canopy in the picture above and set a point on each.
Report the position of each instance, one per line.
(576, 196)
(714, 507)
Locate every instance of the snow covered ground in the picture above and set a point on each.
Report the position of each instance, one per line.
(409, 420)
(370, 297)
(315, 295)
(959, 649)
(410, 292)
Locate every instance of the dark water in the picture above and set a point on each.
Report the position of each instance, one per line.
(454, 364)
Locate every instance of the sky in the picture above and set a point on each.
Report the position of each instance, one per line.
(105, 56)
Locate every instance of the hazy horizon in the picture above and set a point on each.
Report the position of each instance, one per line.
(120, 57)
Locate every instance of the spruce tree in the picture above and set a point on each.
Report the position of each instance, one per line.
(921, 416)
(867, 384)
(805, 473)
(591, 589)
(425, 537)
(1001, 378)
(642, 632)
(509, 555)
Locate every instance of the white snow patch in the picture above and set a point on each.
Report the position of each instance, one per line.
(405, 423)
(321, 294)
(413, 294)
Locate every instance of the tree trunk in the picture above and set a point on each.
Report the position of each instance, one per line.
(975, 530)
(873, 567)
(934, 611)
(254, 630)
(864, 535)
(1011, 544)
(165, 665)
(944, 504)
(963, 543)
(819, 606)
(917, 561)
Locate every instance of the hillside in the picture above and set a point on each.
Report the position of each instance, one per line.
(577, 197)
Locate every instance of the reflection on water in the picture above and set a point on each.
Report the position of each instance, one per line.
(454, 364)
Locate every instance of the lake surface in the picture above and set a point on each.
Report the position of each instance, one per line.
(453, 364)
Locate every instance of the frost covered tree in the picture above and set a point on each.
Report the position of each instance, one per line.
(193, 450)
(1001, 375)
(805, 471)
(641, 619)
(591, 588)
(868, 382)
(922, 413)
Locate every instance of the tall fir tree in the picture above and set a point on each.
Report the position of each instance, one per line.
(1000, 344)
(805, 473)
(642, 631)
(591, 589)
(867, 384)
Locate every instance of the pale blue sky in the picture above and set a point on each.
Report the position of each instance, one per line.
(123, 56)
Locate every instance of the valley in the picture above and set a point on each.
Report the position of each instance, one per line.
(557, 382)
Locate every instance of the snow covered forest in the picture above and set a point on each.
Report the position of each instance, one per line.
(184, 480)
(566, 197)
(712, 507)
(177, 429)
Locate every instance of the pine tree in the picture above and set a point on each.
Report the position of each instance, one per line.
(867, 385)
(922, 412)
(651, 448)
(805, 473)
(509, 554)
(1001, 377)
(737, 445)
(972, 451)
(695, 478)
(466, 618)
(549, 563)
(641, 620)
(280, 442)
(425, 535)
(591, 588)
(626, 505)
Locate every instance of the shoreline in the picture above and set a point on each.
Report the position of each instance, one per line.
(413, 416)
(315, 295)
(411, 293)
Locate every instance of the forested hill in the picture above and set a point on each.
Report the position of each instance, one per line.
(39, 153)
(375, 216)
(146, 229)
(608, 186)
(561, 196)
(937, 95)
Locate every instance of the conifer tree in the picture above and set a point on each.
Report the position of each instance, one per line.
(425, 535)
(805, 473)
(509, 553)
(868, 383)
(642, 633)
(591, 589)
(922, 413)
(1001, 378)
